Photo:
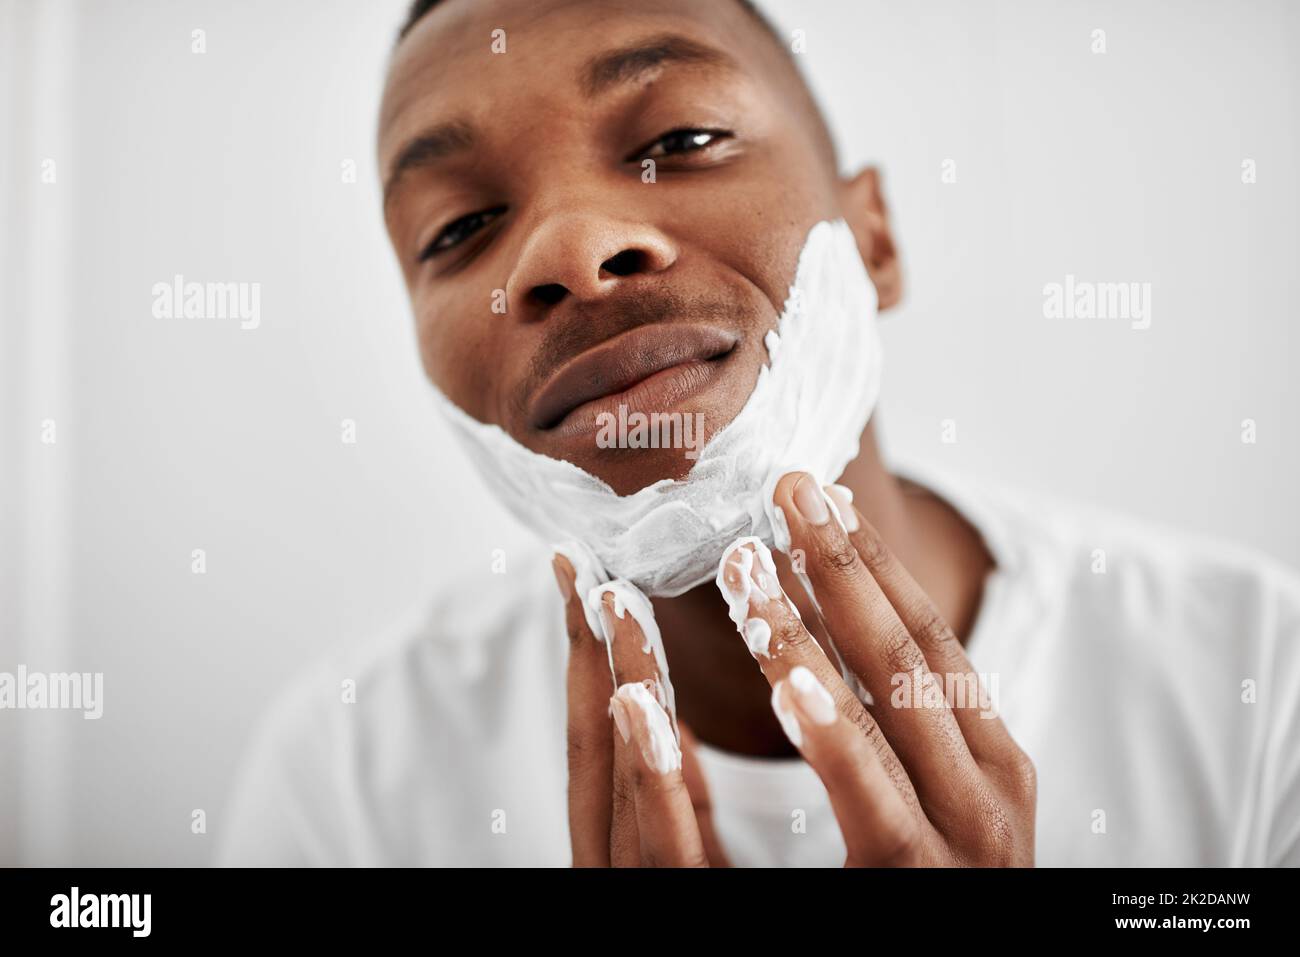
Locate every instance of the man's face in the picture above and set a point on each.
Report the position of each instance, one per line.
(551, 277)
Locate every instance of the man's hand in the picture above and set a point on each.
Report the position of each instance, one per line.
(635, 798)
(923, 785)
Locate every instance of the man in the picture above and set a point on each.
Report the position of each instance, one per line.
(1145, 715)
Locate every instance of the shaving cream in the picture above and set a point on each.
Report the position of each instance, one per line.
(629, 600)
(789, 723)
(807, 411)
(659, 747)
(757, 584)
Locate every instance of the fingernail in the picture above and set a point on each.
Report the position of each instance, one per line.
(607, 617)
(734, 576)
(843, 498)
(562, 578)
(780, 529)
(789, 723)
(813, 699)
(808, 500)
(762, 571)
(619, 711)
(651, 728)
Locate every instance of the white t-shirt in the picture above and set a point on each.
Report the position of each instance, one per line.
(1153, 678)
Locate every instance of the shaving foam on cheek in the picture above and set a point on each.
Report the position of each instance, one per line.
(628, 599)
(807, 411)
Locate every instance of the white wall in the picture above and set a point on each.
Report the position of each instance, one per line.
(174, 435)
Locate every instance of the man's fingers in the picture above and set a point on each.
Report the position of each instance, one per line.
(985, 734)
(648, 758)
(654, 822)
(879, 649)
(779, 642)
(766, 618)
(632, 660)
(879, 827)
(632, 656)
(590, 743)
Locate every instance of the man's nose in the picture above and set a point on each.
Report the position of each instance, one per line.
(584, 256)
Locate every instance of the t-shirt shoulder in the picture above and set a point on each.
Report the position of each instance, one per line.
(1164, 572)
(1201, 630)
(349, 723)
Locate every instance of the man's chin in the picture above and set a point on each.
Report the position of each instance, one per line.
(642, 437)
(630, 449)
(629, 470)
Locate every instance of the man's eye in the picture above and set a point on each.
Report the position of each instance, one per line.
(682, 141)
(459, 230)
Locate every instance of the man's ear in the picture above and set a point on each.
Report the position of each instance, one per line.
(865, 212)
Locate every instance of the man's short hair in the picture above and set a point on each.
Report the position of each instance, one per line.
(420, 7)
(827, 141)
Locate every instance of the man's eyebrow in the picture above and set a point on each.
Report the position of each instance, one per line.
(605, 70)
(427, 148)
(625, 64)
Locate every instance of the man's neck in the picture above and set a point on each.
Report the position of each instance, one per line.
(720, 691)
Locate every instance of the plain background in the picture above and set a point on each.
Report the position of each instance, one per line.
(174, 435)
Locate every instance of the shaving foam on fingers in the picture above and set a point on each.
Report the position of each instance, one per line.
(746, 574)
(758, 637)
(651, 727)
(786, 716)
(630, 600)
(748, 580)
(738, 597)
(842, 497)
(588, 574)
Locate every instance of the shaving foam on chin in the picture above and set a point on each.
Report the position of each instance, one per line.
(807, 411)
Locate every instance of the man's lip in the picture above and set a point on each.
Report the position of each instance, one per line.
(618, 364)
